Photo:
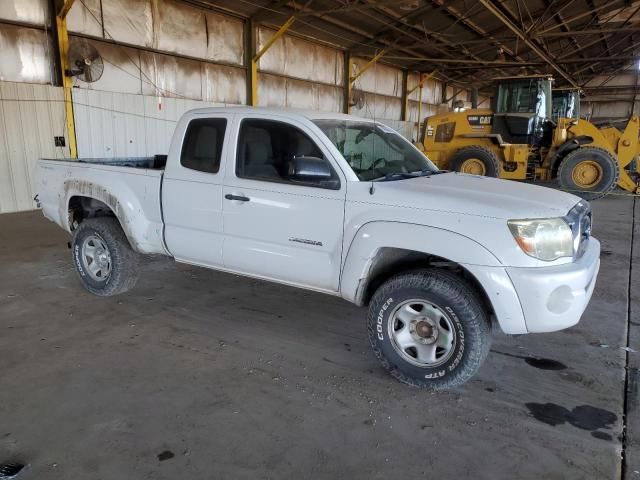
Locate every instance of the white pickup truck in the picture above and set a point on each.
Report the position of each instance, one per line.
(344, 206)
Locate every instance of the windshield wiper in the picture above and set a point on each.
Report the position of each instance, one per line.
(426, 172)
(403, 175)
(394, 176)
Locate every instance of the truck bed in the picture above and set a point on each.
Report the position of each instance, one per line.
(129, 187)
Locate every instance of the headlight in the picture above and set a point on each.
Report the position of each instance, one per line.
(543, 238)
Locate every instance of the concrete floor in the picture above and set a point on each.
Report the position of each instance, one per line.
(198, 374)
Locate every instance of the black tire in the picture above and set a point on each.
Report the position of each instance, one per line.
(486, 156)
(123, 265)
(463, 307)
(608, 178)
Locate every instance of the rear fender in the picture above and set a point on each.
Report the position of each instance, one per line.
(132, 226)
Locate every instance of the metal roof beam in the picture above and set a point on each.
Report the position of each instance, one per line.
(611, 4)
(528, 41)
(589, 31)
(600, 59)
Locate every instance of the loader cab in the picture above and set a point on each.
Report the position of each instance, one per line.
(566, 104)
(522, 109)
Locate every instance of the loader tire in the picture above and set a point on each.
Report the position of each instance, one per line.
(589, 172)
(476, 160)
(105, 262)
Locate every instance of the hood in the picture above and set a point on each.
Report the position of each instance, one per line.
(475, 195)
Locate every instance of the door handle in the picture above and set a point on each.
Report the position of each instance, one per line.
(240, 198)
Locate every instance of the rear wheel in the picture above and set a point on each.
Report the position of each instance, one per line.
(429, 329)
(589, 172)
(104, 260)
(476, 160)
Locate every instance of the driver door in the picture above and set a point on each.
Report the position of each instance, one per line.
(274, 227)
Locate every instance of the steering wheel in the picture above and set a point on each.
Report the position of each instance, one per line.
(380, 162)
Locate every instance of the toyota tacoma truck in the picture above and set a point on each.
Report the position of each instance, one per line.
(344, 206)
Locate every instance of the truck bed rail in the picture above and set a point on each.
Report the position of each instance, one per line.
(157, 162)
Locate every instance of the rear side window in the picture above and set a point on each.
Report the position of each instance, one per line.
(202, 145)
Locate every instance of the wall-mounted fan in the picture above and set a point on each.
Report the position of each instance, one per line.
(85, 61)
(357, 99)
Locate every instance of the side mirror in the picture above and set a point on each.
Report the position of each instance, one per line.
(313, 170)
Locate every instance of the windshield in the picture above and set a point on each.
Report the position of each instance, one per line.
(374, 151)
(525, 96)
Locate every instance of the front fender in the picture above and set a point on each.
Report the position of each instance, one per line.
(373, 236)
(481, 263)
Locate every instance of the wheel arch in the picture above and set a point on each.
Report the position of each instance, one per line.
(382, 249)
(88, 200)
(391, 261)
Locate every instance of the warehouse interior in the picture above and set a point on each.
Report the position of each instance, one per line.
(197, 373)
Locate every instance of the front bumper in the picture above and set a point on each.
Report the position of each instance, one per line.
(540, 299)
(554, 298)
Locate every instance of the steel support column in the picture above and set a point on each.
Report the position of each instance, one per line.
(254, 61)
(421, 82)
(346, 97)
(65, 7)
(352, 78)
(67, 82)
(405, 96)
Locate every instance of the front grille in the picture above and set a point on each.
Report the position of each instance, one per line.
(579, 220)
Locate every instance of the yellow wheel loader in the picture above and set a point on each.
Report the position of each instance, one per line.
(518, 139)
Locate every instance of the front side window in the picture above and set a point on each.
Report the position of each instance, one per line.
(202, 147)
(518, 96)
(374, 151)
(275, 151)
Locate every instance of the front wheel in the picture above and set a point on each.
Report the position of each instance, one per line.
(475, 160)
(589, 172)
(104, 260)
(429, 329)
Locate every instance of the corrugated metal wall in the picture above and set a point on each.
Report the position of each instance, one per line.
(161, 58)
(616, 100)
(132, 109)
(110, 124)
(296, 73)
(30, 116)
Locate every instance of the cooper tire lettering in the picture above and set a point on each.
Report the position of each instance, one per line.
(379, 327)
(76, 256)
